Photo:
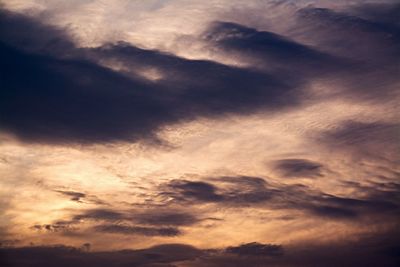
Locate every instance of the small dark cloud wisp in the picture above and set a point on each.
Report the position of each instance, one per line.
(298, 168)
(137, 230)
(75, 196)
(256, 249)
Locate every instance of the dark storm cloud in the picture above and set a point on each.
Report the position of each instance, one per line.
(298, 168)
(137, 230)
(66, 96)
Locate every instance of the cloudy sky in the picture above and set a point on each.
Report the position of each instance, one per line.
(194, 133)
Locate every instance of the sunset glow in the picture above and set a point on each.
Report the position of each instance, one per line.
(199, 133)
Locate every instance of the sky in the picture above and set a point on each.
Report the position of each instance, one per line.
(188, 133)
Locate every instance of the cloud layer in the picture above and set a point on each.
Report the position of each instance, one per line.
(183, 133)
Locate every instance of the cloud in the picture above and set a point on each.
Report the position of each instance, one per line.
(372, 42)
(64, 226)
(298, 168)
(196, 190)
(256, 249)
(244, 191)
(29, 34)
(384, 13)
(168, 217)
(75, 196)
(367, 251)
(272, 51)
(122, 92)
(240, 190)
(351, 207)
(370, 250)
(137, 230)
(357, 49)
(81, 197)
(365, 139)
(66, 99)
(100, 214)
(150, 216)
(147, 222)
(335, 25)
(333, 212)
(73, 99)
(70, 256)
(58, 93)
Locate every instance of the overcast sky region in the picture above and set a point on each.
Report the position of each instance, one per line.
(191, 133)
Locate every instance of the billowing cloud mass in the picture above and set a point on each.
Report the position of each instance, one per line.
(185, 133)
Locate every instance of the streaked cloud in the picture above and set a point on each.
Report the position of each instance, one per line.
(184, 133)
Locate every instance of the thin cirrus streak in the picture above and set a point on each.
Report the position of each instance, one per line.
(184, 133)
